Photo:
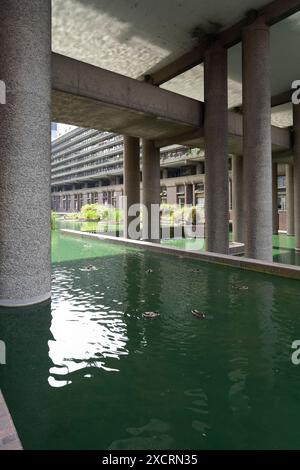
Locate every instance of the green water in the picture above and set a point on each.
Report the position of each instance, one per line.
(283, 245)
(283, 248)
(88, 371)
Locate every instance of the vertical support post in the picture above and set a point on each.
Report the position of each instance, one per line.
(257, 141)
(275, 198)
(289, 178)
(25, 152)
(237, 198)
(131, 180)
(151, 191)
(296, 119)
(216, 149)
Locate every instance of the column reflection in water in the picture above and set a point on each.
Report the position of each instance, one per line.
(88, 324)
(23, 379)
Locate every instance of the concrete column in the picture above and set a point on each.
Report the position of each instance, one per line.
(257, 142)
(25, 149)
(151, 191)
(100, 197)
(237, 198)
(72, 203)
(200, 168)
(85, 197)
(296, 118)
(171, 195)
(165, 173)
(131, 178)
(216, 153)
(275, 198)
(289, 178)
(188, 194)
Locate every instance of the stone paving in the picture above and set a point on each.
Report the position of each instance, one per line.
(9, 439)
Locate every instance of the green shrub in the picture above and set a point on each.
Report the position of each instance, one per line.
(89, 212)
(73, 216)
(101, 213)
(168, 213)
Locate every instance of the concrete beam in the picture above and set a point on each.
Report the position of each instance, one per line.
(88, 96)
(273, 13)
(281, 137)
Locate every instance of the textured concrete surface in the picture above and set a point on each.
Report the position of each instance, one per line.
(237, 198)
(289, 182)
(131, 177)
(275, 269)
(216, 150)
(89, 96)
(296, 117)
(151, 190)
(9, 439)
(275, 215)
(137, 37)
(25, 38)
(257, 142)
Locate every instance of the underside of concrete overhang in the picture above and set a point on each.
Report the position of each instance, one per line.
(281, 137)
(88, 96)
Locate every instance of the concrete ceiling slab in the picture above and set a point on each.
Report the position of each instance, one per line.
(136, 37)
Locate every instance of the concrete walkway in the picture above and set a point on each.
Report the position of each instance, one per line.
(9, 439)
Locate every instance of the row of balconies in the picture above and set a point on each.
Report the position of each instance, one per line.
(75, 150)
(164, 159)
(90, 157)
(72, 136)
(169, 156)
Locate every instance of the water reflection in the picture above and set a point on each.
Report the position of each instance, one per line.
(88, 327)
(223, 382)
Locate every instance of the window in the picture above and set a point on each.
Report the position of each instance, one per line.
(76, 202)
(163, 195)
(282, 203)
(199, 188)
(281, 182)
(200, 201)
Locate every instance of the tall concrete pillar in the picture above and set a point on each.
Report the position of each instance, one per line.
(275, 198)
(165, 173)
(25, 149)
(216, 149)
(131, 181)
(72, 203)
(237, 198)
(257, 141)
(290, 212)
(296, 118)
(151, 191)
(84, 198)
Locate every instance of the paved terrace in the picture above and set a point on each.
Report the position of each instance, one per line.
(9, 439)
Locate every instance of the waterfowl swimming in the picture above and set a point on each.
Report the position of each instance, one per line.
(198, 314)
(148, 271)
(89, 267)
(240, 287)
(151, 314)
(195, 270)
